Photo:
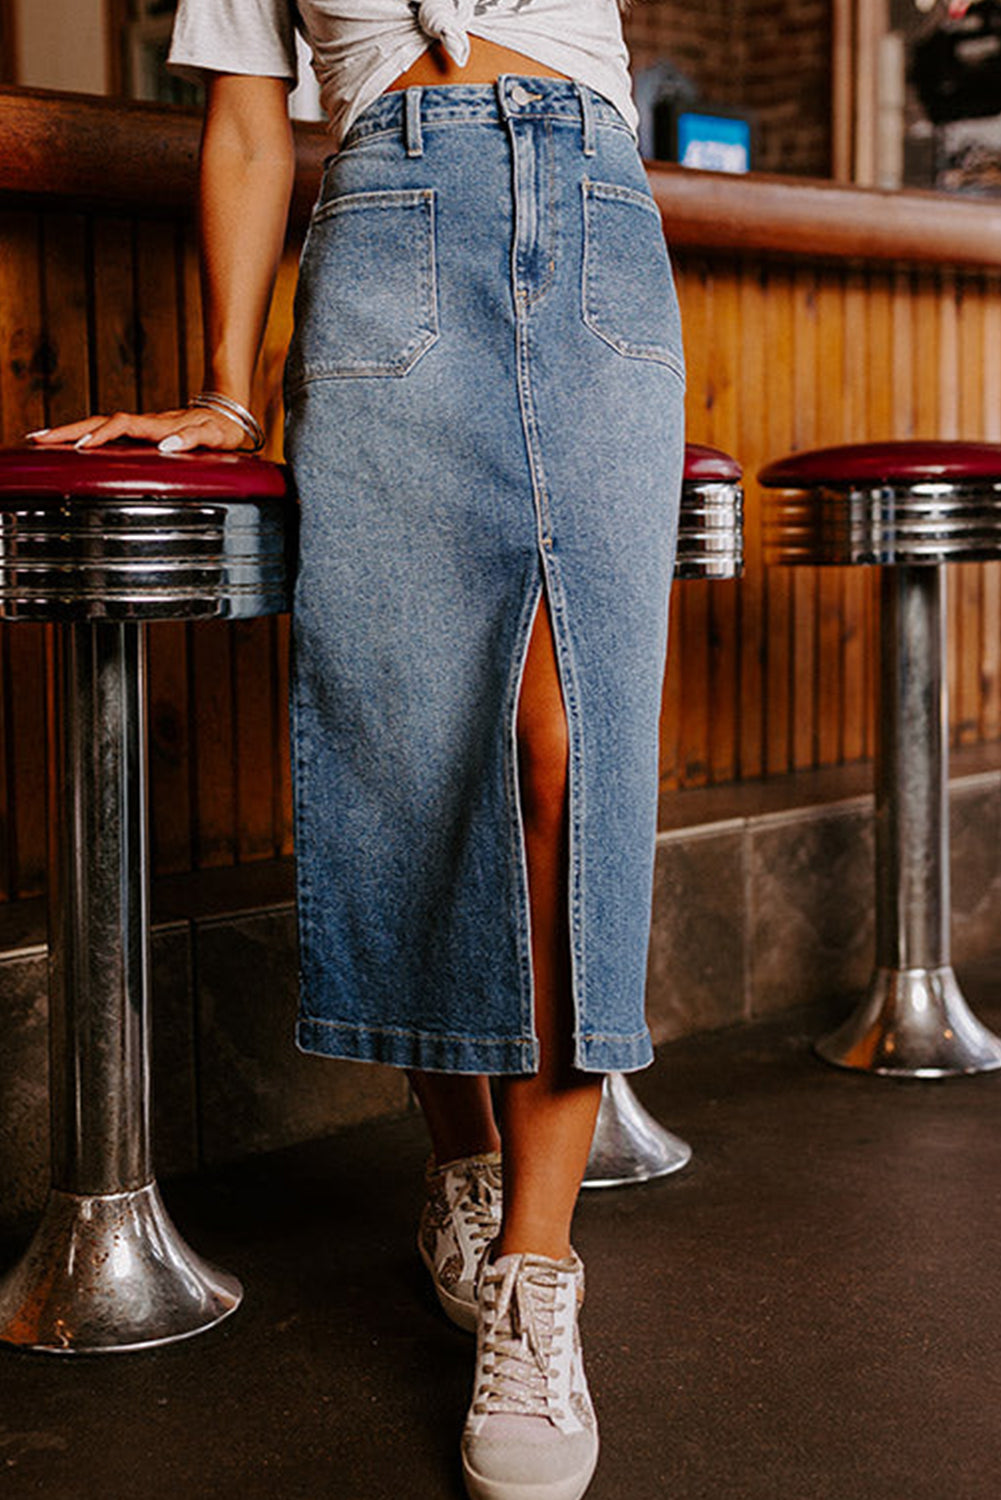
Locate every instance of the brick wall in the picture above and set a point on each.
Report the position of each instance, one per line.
(772, 57)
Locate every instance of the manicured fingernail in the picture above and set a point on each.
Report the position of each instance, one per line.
(41, 432)
(171, 444)
(82, 442)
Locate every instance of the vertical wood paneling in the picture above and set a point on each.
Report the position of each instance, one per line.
(213, 750)
(22, 407)
(253, 697)
(857, 586)
(779, 438)
(829, 428)
(968, 578)
(114, 326)
(750, 446)
(66, 310)
(805, 666)
(990, 421)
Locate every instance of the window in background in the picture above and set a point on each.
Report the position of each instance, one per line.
(918, 94)
(146, 42)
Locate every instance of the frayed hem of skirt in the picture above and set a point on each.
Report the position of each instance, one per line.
(433, 1053)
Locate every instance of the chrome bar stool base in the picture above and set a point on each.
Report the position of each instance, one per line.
(99, 544)
(911, 508)
(914, 1023)
(629, 1145)
(110, 1273)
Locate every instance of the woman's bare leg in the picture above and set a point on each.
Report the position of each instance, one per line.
(547, 1119)
(459, 1113)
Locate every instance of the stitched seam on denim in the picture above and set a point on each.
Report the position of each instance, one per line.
(594, 192)
(360, 1028)
(381, 198)
(523, 333)
(575, 793)
(516, 825)
(616, 1036)
(532, 298)
(299, 780)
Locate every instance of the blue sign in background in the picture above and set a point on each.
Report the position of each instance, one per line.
(714, 143)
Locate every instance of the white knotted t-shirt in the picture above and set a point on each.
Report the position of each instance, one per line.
(361, 46)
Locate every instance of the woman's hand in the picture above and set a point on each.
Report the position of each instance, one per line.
(172, 431)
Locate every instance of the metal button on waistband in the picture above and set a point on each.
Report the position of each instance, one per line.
(520, 95)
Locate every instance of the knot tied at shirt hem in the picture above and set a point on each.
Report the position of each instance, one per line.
(446, 21)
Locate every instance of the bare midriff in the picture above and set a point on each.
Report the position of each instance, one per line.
(487, 62)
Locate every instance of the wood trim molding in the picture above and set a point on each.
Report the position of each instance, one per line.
(117, 153)
(824, 220)
(108, 153)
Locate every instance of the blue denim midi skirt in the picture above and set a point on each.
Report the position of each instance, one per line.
(483, 407)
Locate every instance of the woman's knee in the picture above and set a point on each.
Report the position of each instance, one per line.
(543, 749)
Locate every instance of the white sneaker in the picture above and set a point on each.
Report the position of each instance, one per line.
(531, 1432)
(460, 1218)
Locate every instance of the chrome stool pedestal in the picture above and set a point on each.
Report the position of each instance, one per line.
(629, 1145)
(911, 507)
(100, 543)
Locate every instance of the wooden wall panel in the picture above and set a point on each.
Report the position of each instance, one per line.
(813, 354)
(769, 675)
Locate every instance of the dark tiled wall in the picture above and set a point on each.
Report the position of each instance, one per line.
(763, 913)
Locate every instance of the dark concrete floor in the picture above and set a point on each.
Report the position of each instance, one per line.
(811, 1311)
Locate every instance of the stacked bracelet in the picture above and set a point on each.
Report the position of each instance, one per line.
(227, 407)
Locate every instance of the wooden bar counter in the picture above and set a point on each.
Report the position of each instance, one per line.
(813, 314)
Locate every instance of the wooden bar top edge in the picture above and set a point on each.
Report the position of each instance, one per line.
(115, 153)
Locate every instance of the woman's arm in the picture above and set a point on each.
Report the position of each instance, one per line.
(245, 184)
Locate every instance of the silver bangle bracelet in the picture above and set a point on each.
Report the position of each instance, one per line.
(227, 407)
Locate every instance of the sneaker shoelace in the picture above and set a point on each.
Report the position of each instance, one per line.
(478, 1202)
(519, 1340)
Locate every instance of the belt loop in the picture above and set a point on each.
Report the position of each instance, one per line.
(500, 88)
(587, 118)
(412, 121)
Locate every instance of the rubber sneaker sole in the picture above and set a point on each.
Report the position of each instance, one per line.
(570, 1488)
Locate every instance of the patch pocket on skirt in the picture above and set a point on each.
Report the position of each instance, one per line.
(628, 294)
(367, 298)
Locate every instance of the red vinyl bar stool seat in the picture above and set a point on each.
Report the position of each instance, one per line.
(629, 1145)
(100, 543)
(911, 507)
